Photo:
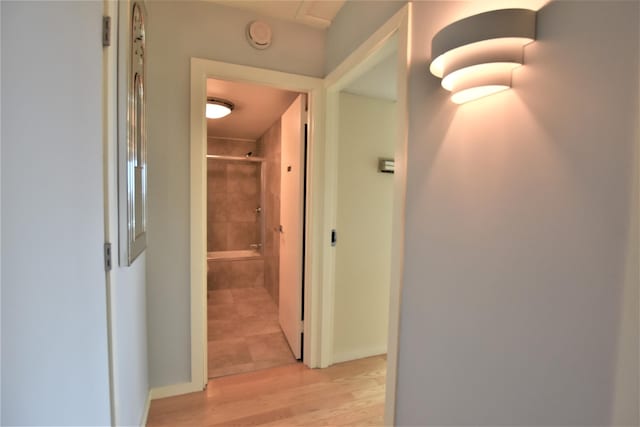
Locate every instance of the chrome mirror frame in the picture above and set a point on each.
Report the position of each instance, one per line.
(132, 134)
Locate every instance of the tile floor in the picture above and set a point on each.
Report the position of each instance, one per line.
(243, 332)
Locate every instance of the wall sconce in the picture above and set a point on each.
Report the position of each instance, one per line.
(476, 55)
(218, 108)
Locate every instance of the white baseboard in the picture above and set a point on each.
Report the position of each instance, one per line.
(174, 390)
(145, 414)
(360, 353)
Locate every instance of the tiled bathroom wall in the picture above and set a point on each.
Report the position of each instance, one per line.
(269, 145)
(233, 194)
(231, 147)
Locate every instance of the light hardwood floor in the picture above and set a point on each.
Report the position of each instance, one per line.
(350, 393)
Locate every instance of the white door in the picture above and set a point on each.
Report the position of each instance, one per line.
(292, 223)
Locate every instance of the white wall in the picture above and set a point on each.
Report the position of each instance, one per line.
(520, 297)
(178, 31)
(367, 131)
(129, 331)
(54, 320)
(353, 25)
(127, 284)
(0, 220)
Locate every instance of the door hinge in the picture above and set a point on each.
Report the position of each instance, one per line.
(106, 31)
(334, 238)
(301, 326)
(107, 256)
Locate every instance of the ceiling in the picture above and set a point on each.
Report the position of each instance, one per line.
(314, 13)
(256, 109)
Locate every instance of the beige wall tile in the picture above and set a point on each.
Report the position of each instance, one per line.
(217, 207)
(219, 276)
(217, 236)
(243, 177)
(230, 147)
(248, 274)
(240, 235)
(216, 176)
(235, 274)
(242, 207)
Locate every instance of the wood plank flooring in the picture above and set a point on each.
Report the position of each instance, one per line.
(346, 394)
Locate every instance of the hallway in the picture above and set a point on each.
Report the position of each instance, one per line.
(350, 393)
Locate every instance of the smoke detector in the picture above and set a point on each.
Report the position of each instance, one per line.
(259, 34)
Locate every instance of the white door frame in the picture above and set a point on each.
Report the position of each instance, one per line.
(360, 60)
(110, 159)
(201, 69)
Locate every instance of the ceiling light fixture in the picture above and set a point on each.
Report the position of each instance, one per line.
(476, 55)
(218, 108)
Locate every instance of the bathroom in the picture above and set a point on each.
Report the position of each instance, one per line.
(255, 182)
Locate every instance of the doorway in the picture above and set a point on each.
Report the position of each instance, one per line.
(387, 49)
(367, 129)
(201, 71)
(255, 163)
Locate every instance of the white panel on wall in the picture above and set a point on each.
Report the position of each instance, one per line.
(54, 319)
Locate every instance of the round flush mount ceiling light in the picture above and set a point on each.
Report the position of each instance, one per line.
(476, 55)
(259, 34)
(218, 108)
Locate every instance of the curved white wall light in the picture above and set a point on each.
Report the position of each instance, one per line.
(218, 108)
(476, 55)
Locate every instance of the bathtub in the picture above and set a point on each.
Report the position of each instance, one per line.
(235, 269)
(233, 255)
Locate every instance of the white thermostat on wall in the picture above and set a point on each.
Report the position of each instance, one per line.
(259, 34)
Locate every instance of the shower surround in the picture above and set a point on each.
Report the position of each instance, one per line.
(243, 213)
(234, 215)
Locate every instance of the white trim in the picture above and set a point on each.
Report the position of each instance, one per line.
(398, 226)
(173, 390)
(109, 144)
(201, 69)
(360, 60)
(358, 354)
(145, 414)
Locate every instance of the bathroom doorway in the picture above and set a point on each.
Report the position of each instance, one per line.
(255, 180)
